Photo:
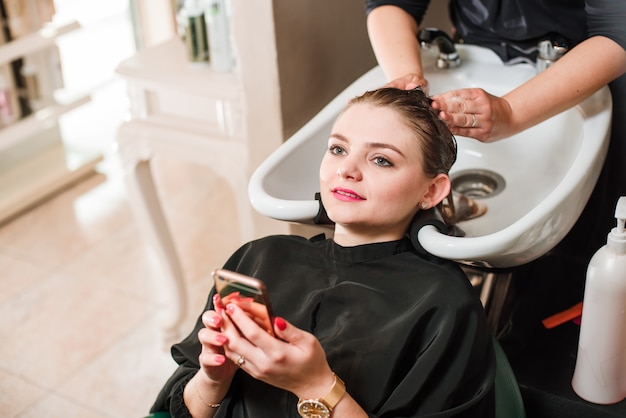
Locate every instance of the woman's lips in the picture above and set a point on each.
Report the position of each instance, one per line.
(346, 195)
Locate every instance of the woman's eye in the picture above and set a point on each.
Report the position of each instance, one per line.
(382, 162)
(336, 149)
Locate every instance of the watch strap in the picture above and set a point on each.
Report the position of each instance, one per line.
(334, 395)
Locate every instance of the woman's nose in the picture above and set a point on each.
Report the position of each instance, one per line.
(349, 170)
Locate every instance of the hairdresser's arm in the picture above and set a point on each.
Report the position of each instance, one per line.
(573, 78)
(393, 36)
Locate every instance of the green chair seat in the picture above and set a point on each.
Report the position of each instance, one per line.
(509, 403)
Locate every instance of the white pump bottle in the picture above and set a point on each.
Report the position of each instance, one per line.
(600, 373)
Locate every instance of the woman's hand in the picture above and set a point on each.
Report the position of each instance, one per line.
(213, 361)
(294, 361)
(475, 113)
(209, 385)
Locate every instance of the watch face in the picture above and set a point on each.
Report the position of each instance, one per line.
(313, 409)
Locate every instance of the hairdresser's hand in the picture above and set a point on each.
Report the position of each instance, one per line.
(475, 113)
(295, 361)
(409, 82)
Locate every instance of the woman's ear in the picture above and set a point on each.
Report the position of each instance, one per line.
(438, 190)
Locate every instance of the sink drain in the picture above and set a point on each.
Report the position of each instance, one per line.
(477, 183)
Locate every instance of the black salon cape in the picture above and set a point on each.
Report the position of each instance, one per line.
(408, 335)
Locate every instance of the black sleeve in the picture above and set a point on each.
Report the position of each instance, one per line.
(172, 401)
(417, 9)
(607, 18)
(170, 398)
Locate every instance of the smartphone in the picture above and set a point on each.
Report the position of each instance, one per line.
(247, 292)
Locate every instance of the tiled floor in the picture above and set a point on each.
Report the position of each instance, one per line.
(79, 334)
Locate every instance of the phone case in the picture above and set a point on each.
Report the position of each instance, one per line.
(247, 292)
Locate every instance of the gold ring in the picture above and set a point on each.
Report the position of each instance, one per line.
(240, 361)
(474, 121)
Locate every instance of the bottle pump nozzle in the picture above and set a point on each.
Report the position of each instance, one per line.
(617, 237)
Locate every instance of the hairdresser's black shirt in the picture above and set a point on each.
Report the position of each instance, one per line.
(408, 335)
(512, 28)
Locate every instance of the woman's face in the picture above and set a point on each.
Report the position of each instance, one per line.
(371, 176)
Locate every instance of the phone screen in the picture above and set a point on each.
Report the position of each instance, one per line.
(248, 293)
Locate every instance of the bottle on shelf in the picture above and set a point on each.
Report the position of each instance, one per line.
(218, 17)
(196, 36)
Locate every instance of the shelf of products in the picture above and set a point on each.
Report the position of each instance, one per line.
(34, 161)
(36, 122)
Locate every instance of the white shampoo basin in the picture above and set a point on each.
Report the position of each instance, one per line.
(543, 176)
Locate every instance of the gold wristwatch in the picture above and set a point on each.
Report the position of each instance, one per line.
(322, 407)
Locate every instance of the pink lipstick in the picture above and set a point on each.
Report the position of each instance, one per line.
(346, 195)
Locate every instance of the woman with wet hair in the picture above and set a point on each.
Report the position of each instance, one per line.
(366, 325)
(594, 32)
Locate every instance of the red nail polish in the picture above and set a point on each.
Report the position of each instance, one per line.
(217, 303)
(230, 308)
(280, 323)
(220, 359)
(221, 338)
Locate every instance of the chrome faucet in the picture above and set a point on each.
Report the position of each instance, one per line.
(548, 52)
(448, 56)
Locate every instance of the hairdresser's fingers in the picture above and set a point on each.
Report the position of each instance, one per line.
(473, 113)
(489, 119)
(409, 82)
(455, 101)
(474, 101)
